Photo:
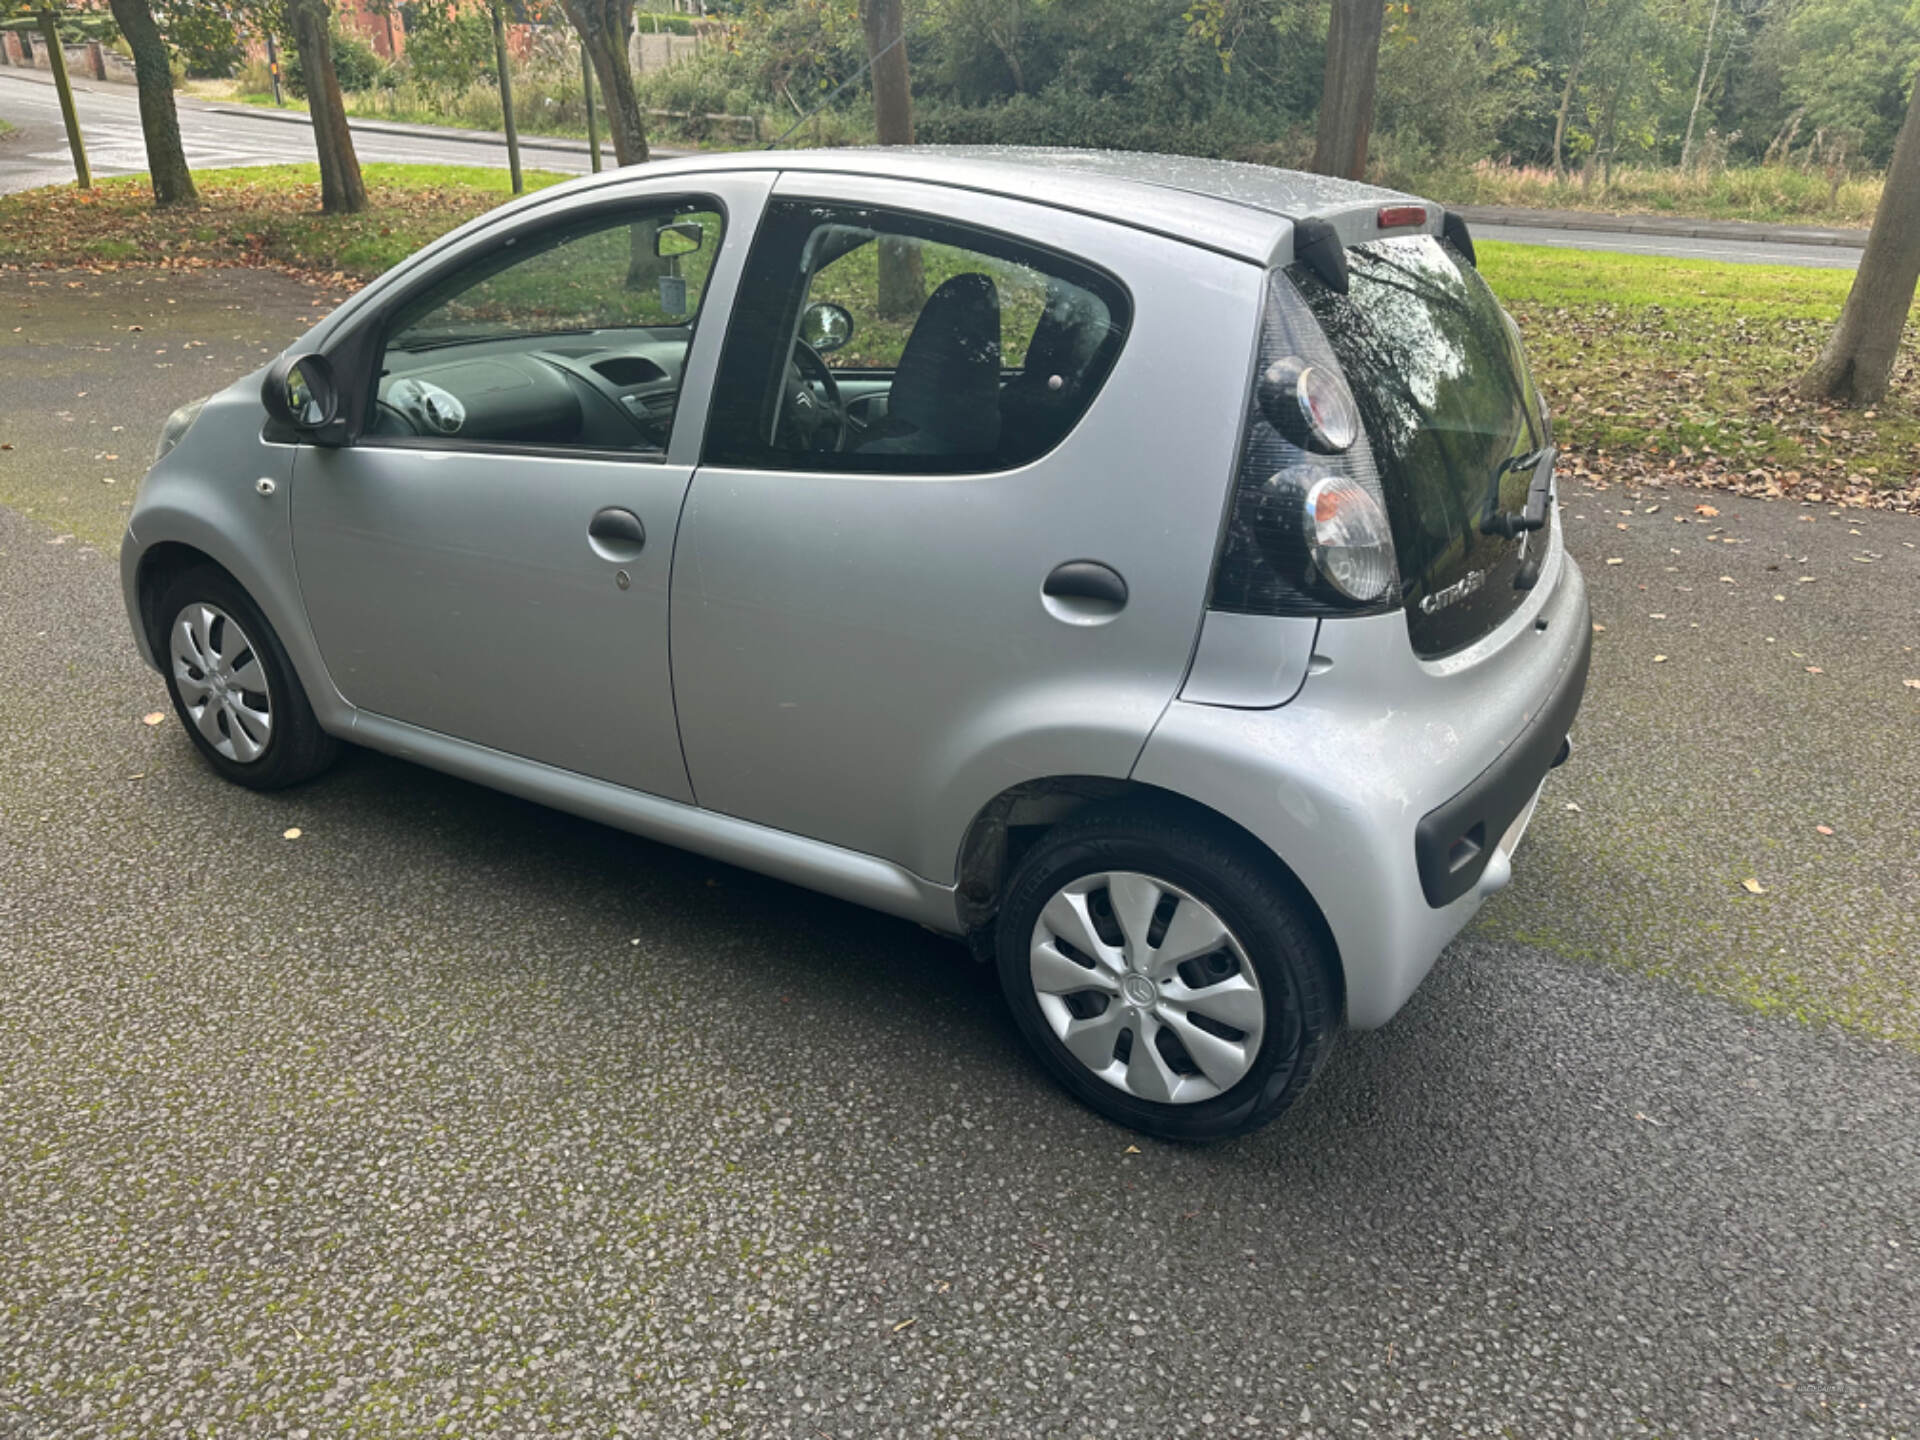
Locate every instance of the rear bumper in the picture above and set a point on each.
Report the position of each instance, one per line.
(1452, 844)
(1340, 782)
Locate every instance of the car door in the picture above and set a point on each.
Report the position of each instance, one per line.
(1000, 574)
(489, 557)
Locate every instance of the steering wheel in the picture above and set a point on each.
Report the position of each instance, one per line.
(807, 418)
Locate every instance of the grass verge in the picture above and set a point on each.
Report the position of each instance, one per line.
(1683, 370)
(261, 215)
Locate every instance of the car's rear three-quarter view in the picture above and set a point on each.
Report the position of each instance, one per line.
(1145, 569)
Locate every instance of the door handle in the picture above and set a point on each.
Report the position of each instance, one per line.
(1084, 592)
(616, 533)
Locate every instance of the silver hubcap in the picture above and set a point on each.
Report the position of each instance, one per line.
(1147, 988)
(221, 682)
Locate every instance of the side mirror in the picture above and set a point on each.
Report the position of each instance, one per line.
(681, 238)
(826, 326)
(299, 392)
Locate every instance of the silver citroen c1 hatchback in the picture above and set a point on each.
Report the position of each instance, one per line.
(1145, 568)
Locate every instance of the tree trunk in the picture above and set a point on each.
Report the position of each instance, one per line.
(159, 124)
(1346, 96)
(1346, 93)
(605, 27)
(342, 191)
(1699, 88)
(1857, 363)
(1560, 122)
(902, 281)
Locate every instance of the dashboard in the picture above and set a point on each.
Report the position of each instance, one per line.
(599, 390)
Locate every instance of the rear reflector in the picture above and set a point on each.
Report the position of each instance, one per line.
(1395, 217)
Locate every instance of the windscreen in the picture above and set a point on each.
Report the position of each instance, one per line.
(1437, 371)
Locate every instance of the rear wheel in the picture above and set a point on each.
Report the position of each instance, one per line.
(1166, 973)
(233, 687)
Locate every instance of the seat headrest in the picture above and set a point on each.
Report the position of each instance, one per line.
(947, 385)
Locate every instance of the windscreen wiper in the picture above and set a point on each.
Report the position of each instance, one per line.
(1534, 516)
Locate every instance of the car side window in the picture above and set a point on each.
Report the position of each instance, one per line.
(878, 340)
(571, 337)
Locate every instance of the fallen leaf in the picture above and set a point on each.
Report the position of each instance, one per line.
(153, 717)
(1824, 829)
(1647, 1119)
(1659, 659)
(1598, 628)
(1911, 684)
(1707, 510)
(1726, 579)
(1815, 670)
(1574, 806)
(290, 834)
(1753, 887)
(1616, 562)
(905, 1323)
(1131, 1150)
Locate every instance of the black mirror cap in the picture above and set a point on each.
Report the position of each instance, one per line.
(299, 393)
(1454, 231)
(1316, 245)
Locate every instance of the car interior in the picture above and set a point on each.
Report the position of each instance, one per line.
(579, 340)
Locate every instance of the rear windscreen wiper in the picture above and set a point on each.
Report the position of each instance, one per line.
(1534, 516)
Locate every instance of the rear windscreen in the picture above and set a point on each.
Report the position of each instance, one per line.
(1452, 418)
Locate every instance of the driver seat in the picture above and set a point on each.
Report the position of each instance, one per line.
(945, 397)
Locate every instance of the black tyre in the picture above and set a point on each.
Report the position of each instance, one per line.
(233, 687)
(1166, 972)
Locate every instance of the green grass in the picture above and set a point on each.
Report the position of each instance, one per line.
(5, 129)
(262, 214)
(1691, 363)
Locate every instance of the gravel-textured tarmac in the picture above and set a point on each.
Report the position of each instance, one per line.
(459, 1116)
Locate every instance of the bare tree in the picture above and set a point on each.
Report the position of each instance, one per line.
(902, 281)
(1346, 96)
(1699, 88)
(342, 191)
(1857, 364)
(159, 122)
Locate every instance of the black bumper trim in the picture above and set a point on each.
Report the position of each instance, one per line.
(1453, 842)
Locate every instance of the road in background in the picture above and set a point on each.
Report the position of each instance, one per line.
(221, 135)
(1677, 247)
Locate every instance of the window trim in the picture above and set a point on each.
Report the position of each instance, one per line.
(1055, 263)
(363, 349)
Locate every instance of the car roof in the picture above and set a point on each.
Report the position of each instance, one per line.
(1238, 209)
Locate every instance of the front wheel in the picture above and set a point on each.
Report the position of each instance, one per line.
(1166, 974)
(233, 687)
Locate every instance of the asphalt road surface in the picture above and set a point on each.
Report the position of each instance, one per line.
(1680, 247)
(216, 136)
(459, 1112)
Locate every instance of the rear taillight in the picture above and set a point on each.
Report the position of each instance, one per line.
(1307, 533)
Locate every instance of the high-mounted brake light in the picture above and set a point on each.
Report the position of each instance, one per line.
(1398, 217)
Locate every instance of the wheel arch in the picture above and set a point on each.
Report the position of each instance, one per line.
(1009, 824)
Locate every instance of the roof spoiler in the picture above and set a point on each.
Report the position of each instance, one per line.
(1317, 246)
(1453, 229)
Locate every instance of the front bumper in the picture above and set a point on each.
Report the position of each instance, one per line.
(1339, 782)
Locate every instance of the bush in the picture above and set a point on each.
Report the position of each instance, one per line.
(354, 65)
(204, 40)
(448, 48)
